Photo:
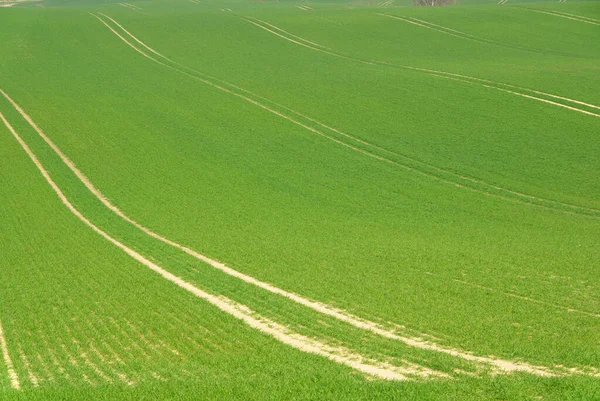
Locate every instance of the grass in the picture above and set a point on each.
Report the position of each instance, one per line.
(479, 269)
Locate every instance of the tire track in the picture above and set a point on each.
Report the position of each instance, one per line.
(431, 26)
(577, 16)
(466, 36)
(12, 374)
(528, 299)
(279, 332)
(33, 379)
(492, 84)
(127, 6)
(567, 16)
(491, 189)
(287, 33)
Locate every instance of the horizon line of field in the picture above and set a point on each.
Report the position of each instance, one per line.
(372, 150)
(371, 367)
(337, 353)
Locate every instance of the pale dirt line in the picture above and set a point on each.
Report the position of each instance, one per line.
(183, 328)
(290, 34)
(131, 35)
(30, 375)
(239, 311)
(100, 322)
(300, 8)
(82, 354)
(165, 345)
(422, 25)
(453, 174)
(159, 377)
(442, 27)
(456, 77)
(54, 359)
(576, 16)
(280, 35)
(116, 357)
(134, 343)
(131, 6)
(12, 373)
(75, 364)
(550, 95)
(563, 16)
(544, 100)
(142, 337)
(99, 372)
(126, 6)
(308, 46)
(59, 367)
(49, 376)
(383, 370)
(122, 376)
(497, 83)
(325, 309)
(149, 343)
(528, 299)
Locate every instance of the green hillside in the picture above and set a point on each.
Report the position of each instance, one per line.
(208, 199)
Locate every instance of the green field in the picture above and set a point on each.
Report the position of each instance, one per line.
(324, 200)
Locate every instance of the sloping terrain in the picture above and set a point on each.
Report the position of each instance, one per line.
(299, 201)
